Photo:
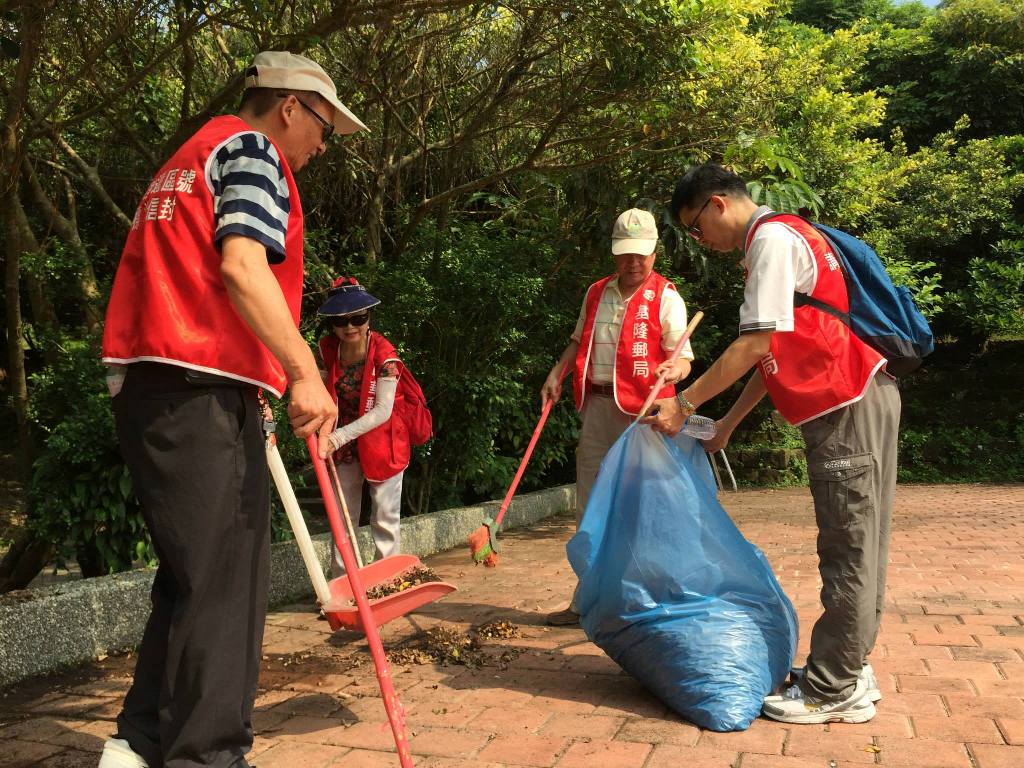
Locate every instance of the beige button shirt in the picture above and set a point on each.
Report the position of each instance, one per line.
(610, 311)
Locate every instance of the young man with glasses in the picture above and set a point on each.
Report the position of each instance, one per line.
(628, 325)
(825, 380)
(203, 314)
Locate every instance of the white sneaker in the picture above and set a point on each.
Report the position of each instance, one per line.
(794, 707)
(867, 674)
(118, 754)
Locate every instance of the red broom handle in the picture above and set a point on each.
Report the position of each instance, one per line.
(674, 355)
(529, 451)
(380, 662)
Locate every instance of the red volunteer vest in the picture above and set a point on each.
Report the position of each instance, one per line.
(821, 366)
(383, 451)
(169, 303)
(639, 349)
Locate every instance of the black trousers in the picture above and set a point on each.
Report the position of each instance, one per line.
(195, 452)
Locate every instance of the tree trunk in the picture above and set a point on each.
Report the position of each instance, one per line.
(17, 379)
(375, 220)
(90, 561)
(27, 556)
(66, 228)
(20, 239)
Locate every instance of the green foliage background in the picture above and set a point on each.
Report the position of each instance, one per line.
(505, 138)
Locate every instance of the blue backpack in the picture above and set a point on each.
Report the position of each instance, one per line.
(881, 314)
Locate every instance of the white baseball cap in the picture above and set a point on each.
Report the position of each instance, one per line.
(634, 232)
(290, 71)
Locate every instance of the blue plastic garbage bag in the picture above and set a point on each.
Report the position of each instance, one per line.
(671, 590)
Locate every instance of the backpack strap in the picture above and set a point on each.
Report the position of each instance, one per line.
(805, 300)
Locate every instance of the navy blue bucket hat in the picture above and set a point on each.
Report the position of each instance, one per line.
(347, 297)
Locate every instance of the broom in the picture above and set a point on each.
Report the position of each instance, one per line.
(483, 542)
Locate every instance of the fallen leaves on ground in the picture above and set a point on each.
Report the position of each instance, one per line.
(446, 646)
(499, 629)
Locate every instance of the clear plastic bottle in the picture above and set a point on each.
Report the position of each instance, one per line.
(700, 427)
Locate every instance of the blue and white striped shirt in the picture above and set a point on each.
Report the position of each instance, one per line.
(250, 193)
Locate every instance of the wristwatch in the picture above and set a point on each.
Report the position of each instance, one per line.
(687, 408)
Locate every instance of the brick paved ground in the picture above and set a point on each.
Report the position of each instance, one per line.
(950, 663)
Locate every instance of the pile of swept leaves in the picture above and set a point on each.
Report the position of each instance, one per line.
(448, 646)
(405, 580)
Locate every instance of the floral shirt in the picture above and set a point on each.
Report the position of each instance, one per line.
(349, 388)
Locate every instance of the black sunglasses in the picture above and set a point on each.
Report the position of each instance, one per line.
(341, 322)
(694, 229)
(328, 128)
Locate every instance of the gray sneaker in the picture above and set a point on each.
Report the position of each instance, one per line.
(794, 706)
(867, 675)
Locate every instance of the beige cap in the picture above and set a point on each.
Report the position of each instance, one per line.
(634, 232)
(280, 69)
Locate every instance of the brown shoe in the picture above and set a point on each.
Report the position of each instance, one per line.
(564, 618)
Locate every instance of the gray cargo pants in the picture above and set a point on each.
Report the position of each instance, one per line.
(851, 460)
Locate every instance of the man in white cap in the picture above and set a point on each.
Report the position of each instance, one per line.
(628, 326)
(203, 315)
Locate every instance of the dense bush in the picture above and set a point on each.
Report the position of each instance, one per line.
(80, 493)
(963, 419)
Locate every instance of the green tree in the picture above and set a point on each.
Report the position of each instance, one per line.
(966, 58)
(954, 217)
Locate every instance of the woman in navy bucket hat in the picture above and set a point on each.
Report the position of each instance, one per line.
(347, 297)
(377, 399)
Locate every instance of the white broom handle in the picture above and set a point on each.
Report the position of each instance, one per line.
(298, 524)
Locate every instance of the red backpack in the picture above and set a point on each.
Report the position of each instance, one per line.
(414, 411)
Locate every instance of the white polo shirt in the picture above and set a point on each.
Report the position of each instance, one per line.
(778, 263)
(608, 322)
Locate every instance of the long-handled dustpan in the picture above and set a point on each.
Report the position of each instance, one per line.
(336, 597)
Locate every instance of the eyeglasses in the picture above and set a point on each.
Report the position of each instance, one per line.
(328, 128)
(694, 230)
(356, 320)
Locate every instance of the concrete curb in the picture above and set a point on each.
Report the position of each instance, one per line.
(68, 624)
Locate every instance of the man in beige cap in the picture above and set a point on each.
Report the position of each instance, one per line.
(203, 315)
(627, 327)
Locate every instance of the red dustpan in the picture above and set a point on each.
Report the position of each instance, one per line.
(342, 613)
(339, 609)
(336, 597)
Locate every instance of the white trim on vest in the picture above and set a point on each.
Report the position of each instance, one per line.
(863, 392)
(191, 366)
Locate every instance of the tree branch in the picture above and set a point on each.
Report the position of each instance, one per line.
(94, 181)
